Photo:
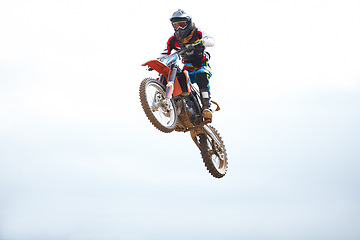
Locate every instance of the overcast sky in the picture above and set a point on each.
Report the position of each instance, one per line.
(80, 161)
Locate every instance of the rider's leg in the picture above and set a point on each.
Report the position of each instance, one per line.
(202, 80)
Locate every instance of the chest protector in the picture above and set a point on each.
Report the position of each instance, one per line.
(194, 56)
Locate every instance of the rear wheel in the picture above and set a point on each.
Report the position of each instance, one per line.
(213, 153)
(160, 111)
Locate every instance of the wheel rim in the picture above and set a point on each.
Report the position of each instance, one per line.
(155, 97)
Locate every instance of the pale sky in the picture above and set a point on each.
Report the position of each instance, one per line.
(80, 161)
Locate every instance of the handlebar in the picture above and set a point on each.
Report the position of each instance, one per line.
(181, 51)
(178, 52)
(190, 46)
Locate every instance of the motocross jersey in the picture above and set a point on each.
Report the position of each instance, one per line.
(196, 56)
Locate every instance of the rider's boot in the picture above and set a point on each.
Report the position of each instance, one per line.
(206, 104)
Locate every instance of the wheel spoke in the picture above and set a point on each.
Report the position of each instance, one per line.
(160, 113)
(155, 98)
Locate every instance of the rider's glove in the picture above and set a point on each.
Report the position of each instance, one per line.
(196, 44)
(189, 46)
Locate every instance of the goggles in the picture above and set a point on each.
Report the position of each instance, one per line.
(180, 25)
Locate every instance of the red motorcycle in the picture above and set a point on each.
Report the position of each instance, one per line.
(171, 105)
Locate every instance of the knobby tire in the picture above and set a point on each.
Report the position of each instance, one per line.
(145, 105)
(208, 152)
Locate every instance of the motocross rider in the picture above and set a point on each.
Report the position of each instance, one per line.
(195, 60)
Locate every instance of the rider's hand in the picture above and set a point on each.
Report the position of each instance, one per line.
(195, 44)
(189, 46)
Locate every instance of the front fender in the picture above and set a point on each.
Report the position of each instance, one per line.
(164, 70)
(158, 66)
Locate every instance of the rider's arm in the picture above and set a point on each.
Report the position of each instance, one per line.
(170, 45)
(207, 40)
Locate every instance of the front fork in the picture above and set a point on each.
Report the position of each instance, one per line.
(170, 84)
(166, 103)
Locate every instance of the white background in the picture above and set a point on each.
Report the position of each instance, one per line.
(79, 160)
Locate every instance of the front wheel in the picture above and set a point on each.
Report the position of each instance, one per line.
(160, 111)
(213, 152)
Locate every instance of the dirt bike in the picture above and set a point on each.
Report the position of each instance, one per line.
(171, 105)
